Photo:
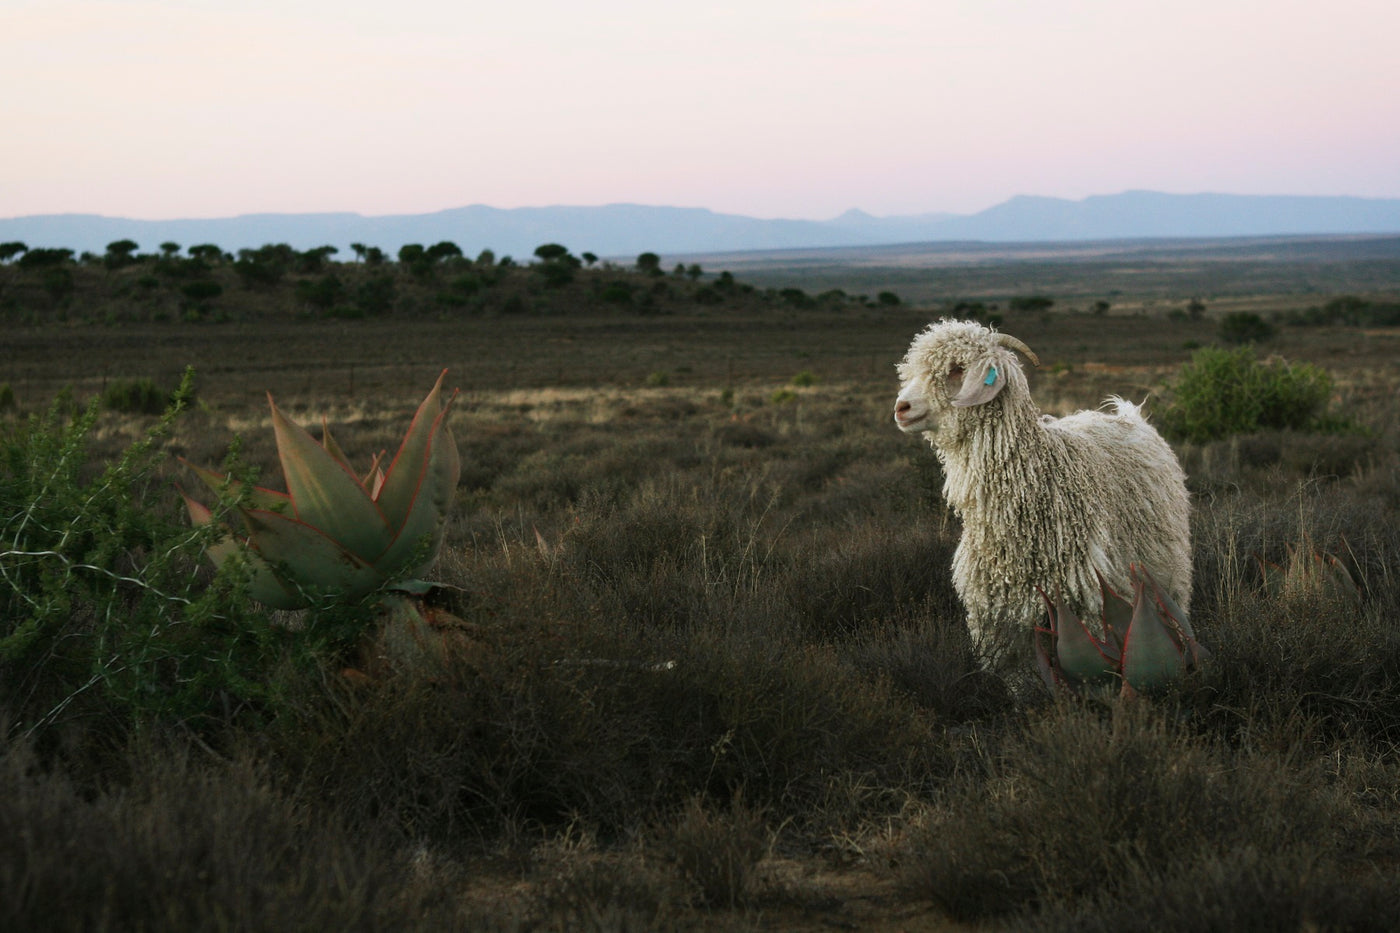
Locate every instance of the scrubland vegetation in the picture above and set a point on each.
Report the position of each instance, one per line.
(704, 665)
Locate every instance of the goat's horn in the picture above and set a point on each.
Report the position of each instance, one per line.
(1006, 340)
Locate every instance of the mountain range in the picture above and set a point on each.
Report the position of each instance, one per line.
(624, 230)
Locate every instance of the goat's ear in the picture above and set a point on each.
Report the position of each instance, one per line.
(980, 384)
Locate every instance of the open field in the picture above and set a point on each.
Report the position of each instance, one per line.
(1151, 274)
(711, 671)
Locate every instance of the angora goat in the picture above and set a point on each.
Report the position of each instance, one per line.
(1044, 501)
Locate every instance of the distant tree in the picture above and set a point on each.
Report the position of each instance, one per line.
(410, 253)
(10, 250)
(119, 253)
(169, 248)
(693, 271)
(359, 250)
(207, 252)
(679, 271)
(1101, 307)
(796, 297)
(555, 274)
(888, 300)
(650, 263)
(265, 265)
(589, 258)
(43, 258)
(314, 260)
(549, 252)
(1196, 309)
(444, 250)
(374, 256)
(725, 282)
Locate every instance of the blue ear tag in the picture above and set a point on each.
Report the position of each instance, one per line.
(991, 376)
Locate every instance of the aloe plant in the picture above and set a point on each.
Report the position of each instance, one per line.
(334, 532)
(1142, 646)
(1309, 572)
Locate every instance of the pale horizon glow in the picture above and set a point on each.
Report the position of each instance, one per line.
(165, 109)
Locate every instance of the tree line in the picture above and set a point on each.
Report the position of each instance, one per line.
(203, 282)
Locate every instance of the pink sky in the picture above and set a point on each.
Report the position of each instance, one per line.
(772, 108)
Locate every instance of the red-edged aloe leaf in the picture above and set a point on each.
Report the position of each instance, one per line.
(263, 585)
(1043, 662)
(374, 476)
(332, 448)
(1117, 614)
(1173, 613)
(1338, 577)
(1151, 658)
(1082, 657)
(1272, 574)
(325, 494)
(257, 497)
(427, 513)
(405, 473)
(305, 557)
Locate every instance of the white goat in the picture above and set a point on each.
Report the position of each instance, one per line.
(1044, 501)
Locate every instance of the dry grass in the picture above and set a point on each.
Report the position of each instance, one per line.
(716, 673)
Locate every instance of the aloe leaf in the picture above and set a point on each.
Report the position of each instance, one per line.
(1169, 607)
(1151, 658)
(427, 511)
(304, 556)
(1117, 613)
(263, 585)
(405, 472)
(332, 448)
(1338, 577)
(374, 476)
(1082, 657)
(1273, 576)
(257, 496)
(325, 494)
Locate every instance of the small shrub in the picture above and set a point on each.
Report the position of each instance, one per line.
(375, 295)
(1244, 327)
(1030, 303)
(1092, 805)
(718, 850)
(616, 293)
(7, 397)
(134, 397)
(201, 290)
(805, 378)
(658, 379)
(1223, 392)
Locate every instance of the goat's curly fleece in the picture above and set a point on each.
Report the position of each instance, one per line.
(1045, 501)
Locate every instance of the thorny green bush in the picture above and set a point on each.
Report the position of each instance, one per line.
(103, 610)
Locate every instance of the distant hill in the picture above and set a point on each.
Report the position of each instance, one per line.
(624, 230)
